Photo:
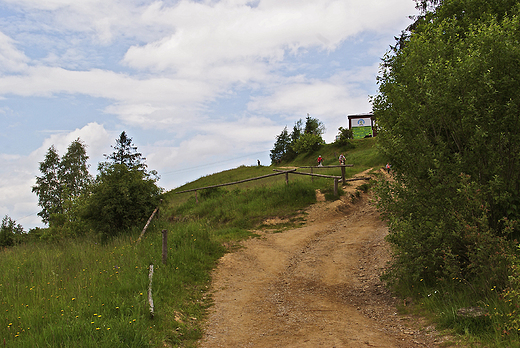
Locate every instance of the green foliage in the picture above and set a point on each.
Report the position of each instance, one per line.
(121, 198)
(307, 142)
(74, 175)
(48, 187)
(10, 232)
(288, 146)
(125, 153)
(62, 181)
(448, 104)
(344, 136)
(314, 126)
(282, 150)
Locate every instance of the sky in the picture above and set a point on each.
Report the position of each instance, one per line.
(200, 86)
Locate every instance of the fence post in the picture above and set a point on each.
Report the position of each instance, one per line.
(164, 246)
(343, 173)
(150, 299)
(312, 177)
(286, 178)
(196, 198)
(336, 187)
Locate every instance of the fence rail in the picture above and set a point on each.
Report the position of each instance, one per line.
(238, 182)
(287, 172)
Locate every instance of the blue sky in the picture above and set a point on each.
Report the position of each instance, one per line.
(200, 86)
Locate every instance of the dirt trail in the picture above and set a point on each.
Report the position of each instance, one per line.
(314, 286)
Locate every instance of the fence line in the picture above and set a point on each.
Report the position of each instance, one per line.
(237, 182)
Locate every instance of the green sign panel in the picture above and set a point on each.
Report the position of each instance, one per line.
(361, 132)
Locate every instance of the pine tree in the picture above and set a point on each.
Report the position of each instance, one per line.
(125, 153)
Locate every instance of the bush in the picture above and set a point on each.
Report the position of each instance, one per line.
(307, 143)
(121, 198)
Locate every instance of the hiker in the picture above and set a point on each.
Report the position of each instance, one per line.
(258, 161)
(388, 167)
(320, 161)
(341, 159)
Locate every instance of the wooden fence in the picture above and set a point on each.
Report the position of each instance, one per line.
(287, 172)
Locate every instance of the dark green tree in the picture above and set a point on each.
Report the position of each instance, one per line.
(279, 151)
(314, 126)
(297, 131)
(344, 136)
(10, 231)
(448, 112)
(121, 198)
(125, 153)
(124, 193)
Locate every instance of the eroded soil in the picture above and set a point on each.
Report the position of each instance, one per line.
(313, 286)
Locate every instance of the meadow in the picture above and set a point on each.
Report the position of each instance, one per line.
(89, 292)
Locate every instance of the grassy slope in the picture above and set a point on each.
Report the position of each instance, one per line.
(81, 293)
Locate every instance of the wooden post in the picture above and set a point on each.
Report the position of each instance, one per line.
(286, 178)
(147, 223)
(150, 299)
(164, 246)
(336, 187)
(312, 178)
(196, 198)
(343, 174)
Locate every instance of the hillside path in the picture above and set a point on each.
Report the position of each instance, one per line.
(313, 286)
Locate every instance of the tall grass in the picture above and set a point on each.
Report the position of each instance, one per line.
(82, 293)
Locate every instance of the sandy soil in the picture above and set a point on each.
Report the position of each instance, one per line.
(313, 286)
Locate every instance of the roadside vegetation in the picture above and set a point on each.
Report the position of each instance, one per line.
(448, 111)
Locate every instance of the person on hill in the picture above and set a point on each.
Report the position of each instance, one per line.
(388, 166)
(320, 161)
(341, 159)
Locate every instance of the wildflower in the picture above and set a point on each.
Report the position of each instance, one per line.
(73, 299)
(97, 328)
(108, 328)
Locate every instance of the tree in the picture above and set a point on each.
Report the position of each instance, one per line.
(63, 180)
(9, 231)
(125, 153)
(448, 111)
(314, 126)
(124, 194)
(281, 146)
(344, 136)
(287, 146)
(307, 142)
(121, 198)
(48, 187)
(74, 175)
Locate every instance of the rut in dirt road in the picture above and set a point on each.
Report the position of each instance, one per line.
(314, 286)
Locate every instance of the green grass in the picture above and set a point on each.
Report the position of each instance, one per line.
(84, 293)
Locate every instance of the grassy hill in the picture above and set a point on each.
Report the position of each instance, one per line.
(85, 293)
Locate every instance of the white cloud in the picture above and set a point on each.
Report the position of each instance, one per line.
(11, 58)
(205, 82)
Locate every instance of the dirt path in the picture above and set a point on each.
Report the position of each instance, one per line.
(314, 286)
